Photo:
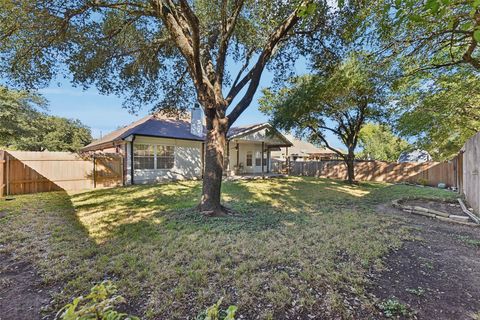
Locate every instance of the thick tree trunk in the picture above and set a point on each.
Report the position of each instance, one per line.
(214, 159)
(350, 167)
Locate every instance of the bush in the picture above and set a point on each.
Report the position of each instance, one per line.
(99, 304)
(214, 313)
(393, 307)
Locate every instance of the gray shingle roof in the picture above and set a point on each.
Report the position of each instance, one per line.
(164, 128)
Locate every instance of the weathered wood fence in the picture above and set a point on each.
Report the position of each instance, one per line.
(471, 172)
(430, 173)
(23, 172)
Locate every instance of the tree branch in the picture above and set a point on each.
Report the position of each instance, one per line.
(254, 75)
(228, 25)
(321, 137)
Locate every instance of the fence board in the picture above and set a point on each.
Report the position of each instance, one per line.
(471, 172)
(32, 172)
(431, 173)
(3, 164)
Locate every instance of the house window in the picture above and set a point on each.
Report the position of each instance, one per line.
(264, 159)
(144, 156)
(249, 158)
(165, 157)
(149, 156)
(258, 158)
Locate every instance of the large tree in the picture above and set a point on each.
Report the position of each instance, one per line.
(161, 53)
(338, 102)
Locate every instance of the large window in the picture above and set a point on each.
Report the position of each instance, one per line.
(258, 158)
(149, 156)
(144, 156)
(165, 157)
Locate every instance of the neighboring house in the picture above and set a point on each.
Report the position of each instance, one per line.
(172, 149)
(417, 155)
(303, 151)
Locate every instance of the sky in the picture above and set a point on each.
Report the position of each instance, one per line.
(104, 113)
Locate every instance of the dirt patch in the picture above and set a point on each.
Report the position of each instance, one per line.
(436, 276)
(22, 293)
(447, 207)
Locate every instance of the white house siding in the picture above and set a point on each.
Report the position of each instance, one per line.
(187, 164)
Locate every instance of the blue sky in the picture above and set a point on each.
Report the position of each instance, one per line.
(105, 113)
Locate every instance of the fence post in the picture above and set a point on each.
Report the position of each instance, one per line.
(94, 173)
(2, 173)
(7, 173)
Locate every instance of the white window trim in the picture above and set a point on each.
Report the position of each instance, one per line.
(155, 155)
(174, 155)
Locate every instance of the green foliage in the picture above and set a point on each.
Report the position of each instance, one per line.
(19, 115)
(99, 304)
(393, 308)
(23, 125)
(215, 313)
(440, 111)
(339, 102)
(434, 33)
(346, 97)
(129, 49)
(422, 181)
(416, 291)
(379, 143)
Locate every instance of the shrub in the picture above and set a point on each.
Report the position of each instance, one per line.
(393, 307)
(214, 313)
(99, 304)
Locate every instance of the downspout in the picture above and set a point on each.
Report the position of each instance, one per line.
(132, 169)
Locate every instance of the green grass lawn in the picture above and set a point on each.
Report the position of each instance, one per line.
(300, 246)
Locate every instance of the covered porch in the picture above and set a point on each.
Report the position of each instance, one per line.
(248, 151)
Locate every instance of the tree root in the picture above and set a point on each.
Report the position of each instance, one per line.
(221, 212)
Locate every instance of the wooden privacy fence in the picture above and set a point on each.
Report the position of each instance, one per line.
(430, 173)
(23, 172)
(471, 172)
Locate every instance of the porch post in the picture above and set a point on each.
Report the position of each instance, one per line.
(132, 161)
(287, 160)
(263, 154)
(268, 160)
(238, 157)
(227, 167)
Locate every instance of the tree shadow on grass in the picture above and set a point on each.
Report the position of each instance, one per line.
(260, 204)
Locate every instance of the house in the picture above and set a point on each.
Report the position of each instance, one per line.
(418, 156)
(303, 151)
(162, 148)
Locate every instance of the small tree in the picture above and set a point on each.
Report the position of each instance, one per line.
(441, 111)
(166, 54)
(379, 143)
(339, 102)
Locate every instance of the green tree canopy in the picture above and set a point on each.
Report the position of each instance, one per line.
(378, 142)
(339, 102)
(24, 125)
(441, 111)
(161, 53)
(431, 34)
